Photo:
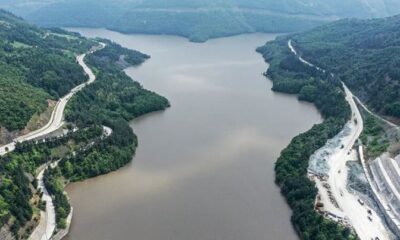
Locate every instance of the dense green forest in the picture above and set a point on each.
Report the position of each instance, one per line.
(35, 65)
(290, 75)
(365, 54)
(54, 184)
(114, 57)
(17, 169)
(198, 20)
(32, 58)
(112, 100)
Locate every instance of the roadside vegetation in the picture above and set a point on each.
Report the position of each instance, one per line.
(112, 100)
(35, 66)
(365, 54)
(54, 182)
(40, 57)
(19, 197)
(378, 137)
(374, 137)
(289, 75)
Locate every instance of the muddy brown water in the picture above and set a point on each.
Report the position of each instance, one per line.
(204, 169)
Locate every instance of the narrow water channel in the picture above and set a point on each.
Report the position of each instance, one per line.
(204, 169)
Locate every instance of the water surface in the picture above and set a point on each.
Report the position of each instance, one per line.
(204, 167)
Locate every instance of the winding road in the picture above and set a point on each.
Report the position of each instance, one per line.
(367, 226)
(57, 116)
(47, 225)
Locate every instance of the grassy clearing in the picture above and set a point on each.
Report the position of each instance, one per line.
(38, 120)
(18, 45)
(378, 136)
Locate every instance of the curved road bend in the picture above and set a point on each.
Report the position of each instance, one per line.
(47, 225)
(56, 119)
(293, 50)
(355, 212)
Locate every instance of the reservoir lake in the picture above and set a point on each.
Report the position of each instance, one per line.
(204, 168)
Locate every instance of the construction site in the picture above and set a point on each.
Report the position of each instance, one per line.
(384, 179)
(360, 163)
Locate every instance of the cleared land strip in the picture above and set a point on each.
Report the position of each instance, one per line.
(347, 203)
(382, 193)
(384, 171)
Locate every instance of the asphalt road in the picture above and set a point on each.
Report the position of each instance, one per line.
(57, 116)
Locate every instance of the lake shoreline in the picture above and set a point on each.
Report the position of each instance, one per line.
(184, 81)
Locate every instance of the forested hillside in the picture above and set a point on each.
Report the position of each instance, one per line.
(290, 75)
(28, 53)
(198, 20)
(112, 100)
(365, 54)
(35, 65)
(362, 53)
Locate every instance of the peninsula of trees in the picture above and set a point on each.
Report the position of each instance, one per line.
(40, 64)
